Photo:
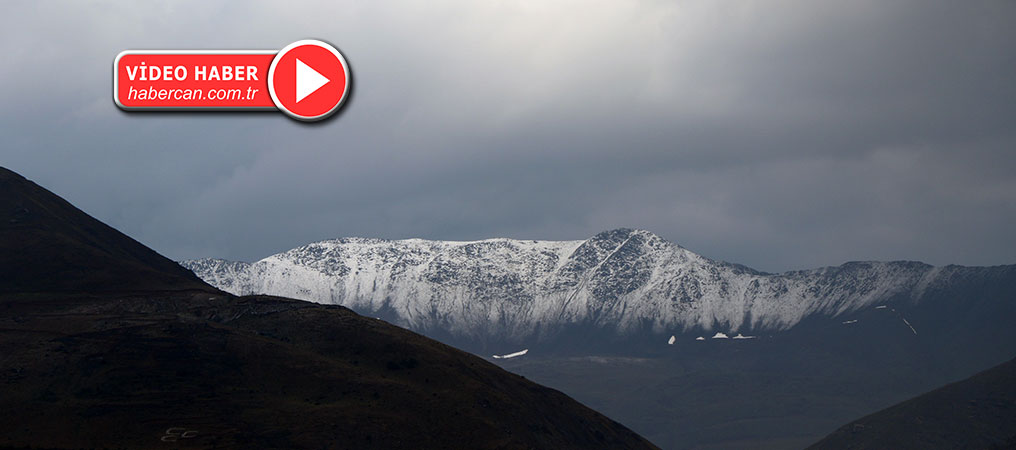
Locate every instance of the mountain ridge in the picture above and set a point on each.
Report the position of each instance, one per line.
(626, 281)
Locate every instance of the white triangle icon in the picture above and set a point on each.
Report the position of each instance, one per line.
(307, 80)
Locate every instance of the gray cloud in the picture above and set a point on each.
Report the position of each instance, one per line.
(776, 134)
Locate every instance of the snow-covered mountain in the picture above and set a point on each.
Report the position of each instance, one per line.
(623, 280)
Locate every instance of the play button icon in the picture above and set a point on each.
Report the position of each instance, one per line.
(308, 80)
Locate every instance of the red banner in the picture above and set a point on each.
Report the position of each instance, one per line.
(308, 80)
(180, 79)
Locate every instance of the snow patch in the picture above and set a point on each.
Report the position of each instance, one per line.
(909, 325)
(512, 355)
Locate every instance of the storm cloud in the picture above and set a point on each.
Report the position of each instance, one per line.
(776, 134)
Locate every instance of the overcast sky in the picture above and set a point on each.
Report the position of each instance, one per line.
(781, 135)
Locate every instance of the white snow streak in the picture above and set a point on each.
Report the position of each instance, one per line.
(512, 355)
(909, 325)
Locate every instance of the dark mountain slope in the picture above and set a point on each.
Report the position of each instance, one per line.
(976, 413)
(48, 245)
(258, 372)
(167, 362)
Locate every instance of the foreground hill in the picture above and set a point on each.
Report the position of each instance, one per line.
(105, 344)
(46, 244)
(976, 413)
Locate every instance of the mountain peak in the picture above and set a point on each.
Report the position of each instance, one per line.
(624, 233)
(48, 245)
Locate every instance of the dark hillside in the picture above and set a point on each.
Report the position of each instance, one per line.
(106, 344)
(48, 245)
